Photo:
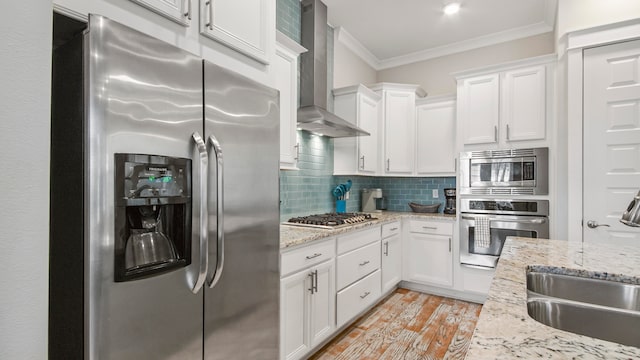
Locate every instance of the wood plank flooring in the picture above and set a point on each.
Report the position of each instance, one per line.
(407, 325)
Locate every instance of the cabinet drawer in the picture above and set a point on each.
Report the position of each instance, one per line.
(357, 297)
(358, 263)
(306, 256)
(390, 229)
(352, 241)
(431, 227)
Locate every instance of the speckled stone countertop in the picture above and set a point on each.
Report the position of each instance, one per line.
(505, 330)
(298, 235)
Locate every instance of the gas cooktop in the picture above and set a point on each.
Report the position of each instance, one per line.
(330, 220)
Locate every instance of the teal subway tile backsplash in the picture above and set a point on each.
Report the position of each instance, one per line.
(288, 18)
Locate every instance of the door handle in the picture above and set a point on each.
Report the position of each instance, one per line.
(388, 164)
(386, 248)
(311, 276)
(508, 132)
(449, 244)
(203, 214)
(495, 133)
(362, 166)
(209, 24)
(315, 276)
(593, 224)
(188, 13)
(217, 150)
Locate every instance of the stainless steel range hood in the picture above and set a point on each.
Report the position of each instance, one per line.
(312, 114)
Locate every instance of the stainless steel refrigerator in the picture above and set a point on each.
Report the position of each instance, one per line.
(164, 203)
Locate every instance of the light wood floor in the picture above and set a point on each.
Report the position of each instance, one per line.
(407, 325)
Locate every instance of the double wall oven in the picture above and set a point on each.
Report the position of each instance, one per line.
(496, 186)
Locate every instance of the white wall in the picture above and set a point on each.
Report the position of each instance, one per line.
(434, 75)
(581, 14)
(349, 68)
(25, 70)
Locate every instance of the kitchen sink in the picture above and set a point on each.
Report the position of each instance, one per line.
(601, 322)
(602, 309)
(593, 291)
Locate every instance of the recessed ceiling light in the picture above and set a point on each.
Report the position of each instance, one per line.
(452, 8)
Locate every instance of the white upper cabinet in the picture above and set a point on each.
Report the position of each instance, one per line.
(524, 105)
(398, 124)
(436, 136)
(506, 105)
(247, 26)
(480, 101)
(285, 67)
(180, 11)
(357, 155)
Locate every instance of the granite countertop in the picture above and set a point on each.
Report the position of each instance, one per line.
(298, 235)
(505, 330)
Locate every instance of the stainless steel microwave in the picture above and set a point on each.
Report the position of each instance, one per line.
(505, 172)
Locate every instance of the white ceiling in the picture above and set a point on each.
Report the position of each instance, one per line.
(389, 33)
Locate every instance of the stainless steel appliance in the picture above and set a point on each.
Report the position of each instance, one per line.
(450, 203)
(164, 204)
(330, 220)
(505, 172)
(368, 199)
(486, 223)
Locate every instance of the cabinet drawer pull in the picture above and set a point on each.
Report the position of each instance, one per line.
(313, 256)
(393, 229)
(430, 227)
(364, 263)
(365, 295)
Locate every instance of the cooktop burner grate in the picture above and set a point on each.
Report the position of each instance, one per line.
(330, 220)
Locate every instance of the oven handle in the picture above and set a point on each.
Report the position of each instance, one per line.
(521, 221)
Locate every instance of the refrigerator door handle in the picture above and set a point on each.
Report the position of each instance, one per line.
(217, 150)
(203, 213)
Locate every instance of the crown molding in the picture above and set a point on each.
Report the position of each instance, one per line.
(343, 36)
(466, 45)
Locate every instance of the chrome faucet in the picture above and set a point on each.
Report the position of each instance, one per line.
(631, 217)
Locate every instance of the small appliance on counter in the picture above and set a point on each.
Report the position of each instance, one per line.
(369, 197)
(450, 204)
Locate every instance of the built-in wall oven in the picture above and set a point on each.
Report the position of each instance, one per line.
(486, 223)
(505, 172)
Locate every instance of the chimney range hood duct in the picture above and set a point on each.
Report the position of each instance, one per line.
(312, 114)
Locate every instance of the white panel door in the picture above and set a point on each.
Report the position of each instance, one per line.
(430, 260)
(480, 109)
(391, 262)
(368, 145)
(323, 303)
(436, 138)
(611, 140)
(399, 112)
(524, 104)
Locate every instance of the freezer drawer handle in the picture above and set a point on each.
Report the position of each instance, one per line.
(313, 256)
(217, 150)
(203, 213)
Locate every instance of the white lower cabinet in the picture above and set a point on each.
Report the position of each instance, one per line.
(358, 273)
(355, 298)
(307, 299)
(391, 263)
(429, 253)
